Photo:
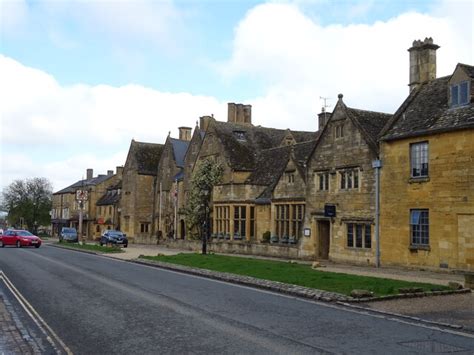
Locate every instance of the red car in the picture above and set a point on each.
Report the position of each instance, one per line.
(19, 238)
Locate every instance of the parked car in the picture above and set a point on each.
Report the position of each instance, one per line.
(68, 234)
(19, 238)
(113, 237)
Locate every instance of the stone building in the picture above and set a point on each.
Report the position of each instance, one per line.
(427, 178)
(137, 201)
(340, 194)
(108, 211)
(65, 208)
(169, 175)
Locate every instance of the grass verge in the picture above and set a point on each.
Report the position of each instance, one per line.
(291, 273)
(91, 247)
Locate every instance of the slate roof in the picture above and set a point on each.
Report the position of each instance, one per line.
(242, 153)
(370, 121)
(147, 156)
(427, 111)
(179, 150)
(111, 197)
(271, 164)
(83, 183)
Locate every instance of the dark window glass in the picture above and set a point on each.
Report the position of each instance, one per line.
(454, 95)
(356, 179)
(463, 88)
(419, 159)
(350, 235)
(419, 227)
(359, 235)
(343, 180)
(367, 237)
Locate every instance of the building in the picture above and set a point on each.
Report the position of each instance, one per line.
(137, 212)
(427, 178)
(108, 210)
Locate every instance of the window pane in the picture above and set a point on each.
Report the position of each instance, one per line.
(367, 237)
(343, 180)
(454, 95)
(359, 235)
(327, 181)
(463, 93)
(356, 179)
(350, 235)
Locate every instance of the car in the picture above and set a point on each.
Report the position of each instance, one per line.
(68, 234)
(115, 237)
(19, 238)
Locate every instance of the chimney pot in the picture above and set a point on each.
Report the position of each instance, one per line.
(185, 133)
(89, 173)
(422, 62)
(110, 172)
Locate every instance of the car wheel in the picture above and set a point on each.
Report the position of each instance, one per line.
(37, 246)
(18, 244)
(1, 244)
(60, 240)
(125, 245)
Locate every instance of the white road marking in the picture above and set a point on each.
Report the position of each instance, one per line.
(40, 322)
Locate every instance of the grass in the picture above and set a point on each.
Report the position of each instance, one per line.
(291, 273)
(91, 247)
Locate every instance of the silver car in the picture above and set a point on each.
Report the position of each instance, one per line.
(68, 234)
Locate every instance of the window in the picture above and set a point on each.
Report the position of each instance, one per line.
(359, 235)
(290, 177)
(289, 220)
(323, 181)
(339, 130)
(419, 227)
(349, 179)
(240, 135)
(419, 159)
(460, 94)
(222, 219)
(144, 227)
(240, 217)
(252, 221)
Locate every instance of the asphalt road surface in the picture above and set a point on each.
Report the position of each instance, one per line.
(98, 305)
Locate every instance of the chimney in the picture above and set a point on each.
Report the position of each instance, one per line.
(110, 172)
(119, 171)
(90, 173)
(323, 118)
(185, 133)
(204, 122)
(422, 62)
(239, 113)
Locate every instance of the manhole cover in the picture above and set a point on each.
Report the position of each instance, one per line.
(432, 346)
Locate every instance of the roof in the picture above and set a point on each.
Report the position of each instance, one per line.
(242, 143)
(271, 164)
(179, 150)
(370, 121)
(469, 69)
(111, 197)
(427, 111)
(83, 183)
(147, 156)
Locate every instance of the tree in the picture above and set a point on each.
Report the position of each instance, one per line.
(28, 201)
(207, 175)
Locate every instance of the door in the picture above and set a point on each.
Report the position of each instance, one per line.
(323, 236)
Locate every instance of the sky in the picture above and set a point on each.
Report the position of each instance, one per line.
(80, 79)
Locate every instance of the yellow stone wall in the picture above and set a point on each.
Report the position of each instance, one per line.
(448, 194)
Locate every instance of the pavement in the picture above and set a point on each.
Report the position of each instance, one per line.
(457, 310)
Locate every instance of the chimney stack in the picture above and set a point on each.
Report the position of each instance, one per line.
(239, 113)
(422, 62)
(120, 171)
(110, 172)
(204, 122)
(89, 174)
(323, 118)
(185, 133)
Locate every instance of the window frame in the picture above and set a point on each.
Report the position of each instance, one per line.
(357, 237)
(422, 230)
(417, 158)
(456, 91)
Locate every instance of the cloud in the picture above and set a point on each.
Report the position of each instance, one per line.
(299, 60)
(13, 15)
(95, 120)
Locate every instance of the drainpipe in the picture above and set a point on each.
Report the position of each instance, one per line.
(377, 165)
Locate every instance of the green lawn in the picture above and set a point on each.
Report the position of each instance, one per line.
(297, 274)
(91, 247)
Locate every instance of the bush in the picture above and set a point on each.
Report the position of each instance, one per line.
(266, 237)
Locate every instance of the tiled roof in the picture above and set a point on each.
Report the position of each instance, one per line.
(179, 150)
(370, 121)
(83, 183)
(111, 197)
(426, 111)
(469, 69)
(242, 143)
(147, 156)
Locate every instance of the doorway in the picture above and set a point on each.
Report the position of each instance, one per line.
(323, 238)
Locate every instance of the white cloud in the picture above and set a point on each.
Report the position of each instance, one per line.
(13, 16)
(300, 60)
(95, 120)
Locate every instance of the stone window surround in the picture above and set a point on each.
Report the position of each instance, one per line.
(225, 213)
(355, 177)
(457, 89)
(422, 232)
(288, 219)
(351, 225)
(419, 157)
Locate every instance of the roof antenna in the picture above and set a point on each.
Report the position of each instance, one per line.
(325, 106)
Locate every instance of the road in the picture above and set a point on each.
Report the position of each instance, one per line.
(99, 305)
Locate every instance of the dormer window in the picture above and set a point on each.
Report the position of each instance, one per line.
(240, 135)
(459, 94)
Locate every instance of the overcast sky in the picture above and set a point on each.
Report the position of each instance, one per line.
(80, 79)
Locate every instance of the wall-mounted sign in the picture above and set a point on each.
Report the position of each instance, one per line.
(307, 232)
(81, 195)
(329, 210)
